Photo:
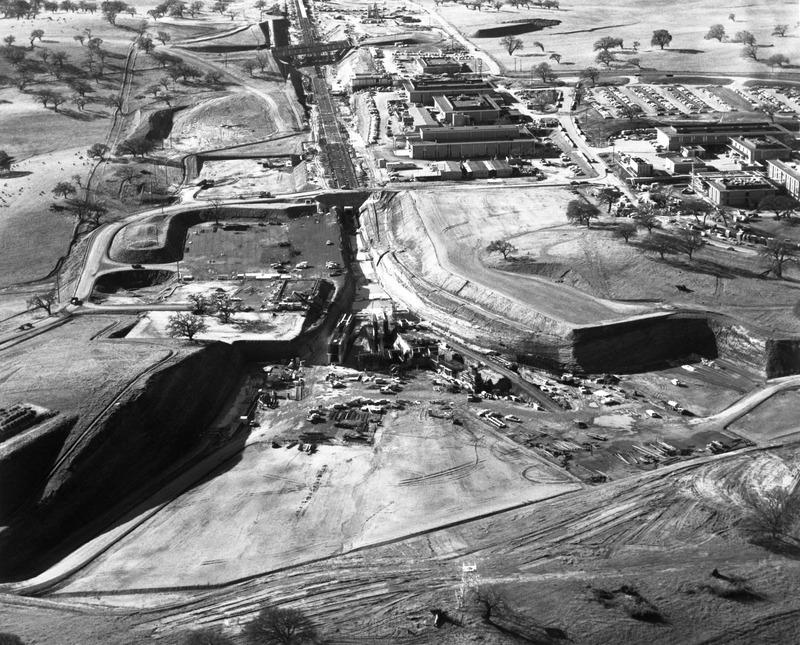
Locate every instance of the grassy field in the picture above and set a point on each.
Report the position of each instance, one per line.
(583, 23)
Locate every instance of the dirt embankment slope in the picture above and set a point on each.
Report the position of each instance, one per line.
(108, 462)
(431, 264)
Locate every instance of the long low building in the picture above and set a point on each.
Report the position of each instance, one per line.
(471, 141)
(422, 90)
(786, 173)
(744, 189)
(674, 136)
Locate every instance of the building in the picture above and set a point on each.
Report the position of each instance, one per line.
(471, 141)
(675, 136)
(476, 169)
(498, 168)
(467, 109)
(681, 165)
(435, 65)
(449, 170)
(637, 166)
(422, 90)
(759, 149)
(743, 189)
(419, 117)
(786, 173)
(359, 81)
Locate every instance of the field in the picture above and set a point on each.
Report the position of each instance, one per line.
(582, 24)
(775, 417)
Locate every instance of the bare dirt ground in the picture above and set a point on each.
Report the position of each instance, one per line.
(775, 417)
(286, 507)
(459, 231)
(582, 24)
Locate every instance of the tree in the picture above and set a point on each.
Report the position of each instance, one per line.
(646, 217)
(776, 254)
(42, 301)
(778, 60)
(185, 324)
(80, 87)
(536, 43)
(207, 636)
(145, 43)
(750, 52)
(201, 304)
(745, 37)
(6, 161)
(543, 71)
(781, 205)
(9, 40)
(780, 30)
(608, 195)
(556, 57)
(163, 37)
(249, 67)
(44, 97)
(661, 38)
(64, 188)
(59, 58)
(774, 511)
(10, 639)
(581, 212)
(715, 32)
(113, 101)
(98, 150)
(511, 43)
(604, 57)
(80, 38)
(112, 8)
(732, 17)
(606, 43)
(212, 78)
(636, 45)
(36, 34)
(625, 231)
(225, 307)
(274, 626)
(689, 241)
(195, 8)
(592, 73)
(659, 243)
(501, 246)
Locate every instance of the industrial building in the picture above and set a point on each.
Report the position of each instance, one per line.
(471, 141)
(434, 65)
(759, 149)
(467, 109)
(637, 166)
(681, 165)
(449, 170)
(786, 173)
(422, 90)
(744, 189)
(673, 137)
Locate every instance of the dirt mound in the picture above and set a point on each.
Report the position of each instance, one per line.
(516, 28)
(159, 420)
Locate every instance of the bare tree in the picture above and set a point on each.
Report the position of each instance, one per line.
(777, 253)
(625, 231)
(774, 511)
(780, 30)
(690, 241)
(501, 246)
(225, 307)
(511, 43)
(186, 325)
(275, 626)
(42, 301)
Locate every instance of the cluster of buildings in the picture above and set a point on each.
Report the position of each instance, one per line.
(762, 152)
(462, 118)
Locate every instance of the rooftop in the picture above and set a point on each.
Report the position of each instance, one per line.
(792, 166)
(698, 127)
(760, 143)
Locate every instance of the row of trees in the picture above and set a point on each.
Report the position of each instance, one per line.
(776, 253)
(189, 324)
(477, 5)
(748, 39)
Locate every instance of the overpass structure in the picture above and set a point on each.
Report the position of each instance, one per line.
(311, 53)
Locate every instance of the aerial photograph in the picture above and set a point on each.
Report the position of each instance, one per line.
(350, 322)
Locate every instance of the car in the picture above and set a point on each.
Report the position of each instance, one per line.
(75, 301)
(137, 266)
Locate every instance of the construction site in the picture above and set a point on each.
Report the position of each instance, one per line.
(403, 323)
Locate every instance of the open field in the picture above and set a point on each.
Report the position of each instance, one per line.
(775, 417)
(719, 279)
(582, 24)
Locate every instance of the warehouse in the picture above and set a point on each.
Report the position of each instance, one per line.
(422, 90)
(673, 137)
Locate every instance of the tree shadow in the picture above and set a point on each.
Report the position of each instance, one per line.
(81, 116)
(686, 51)
(709, 267)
